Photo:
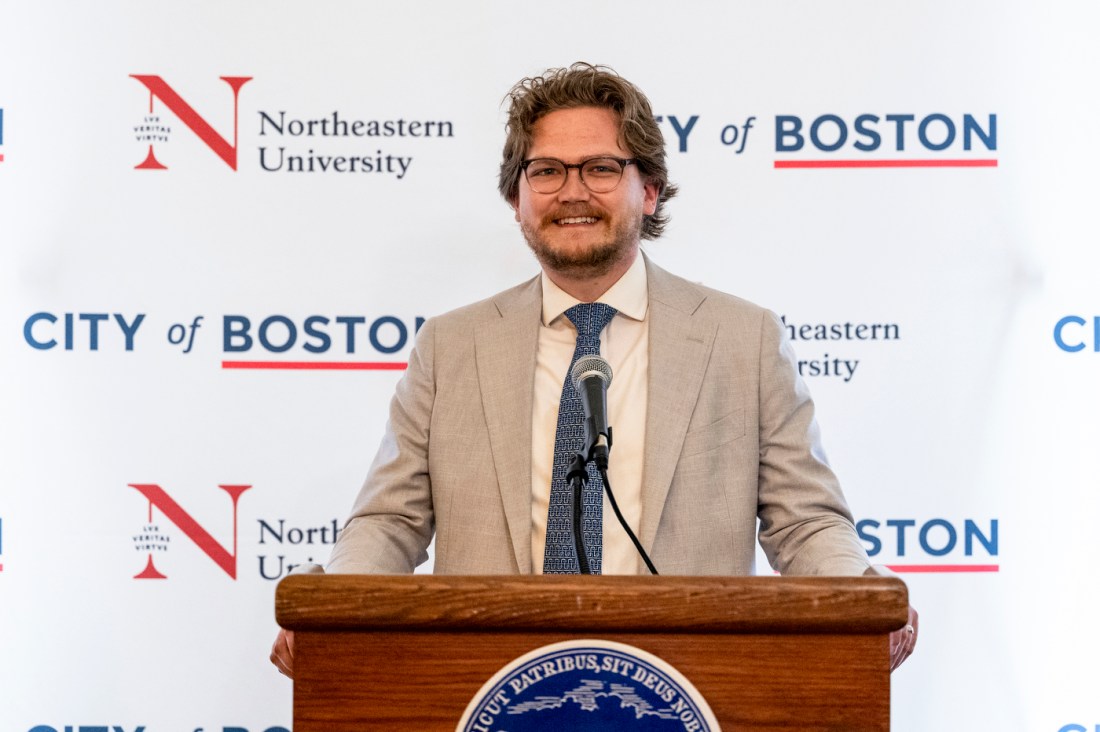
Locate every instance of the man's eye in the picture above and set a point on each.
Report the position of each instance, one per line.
(543, 172)
(602, 168)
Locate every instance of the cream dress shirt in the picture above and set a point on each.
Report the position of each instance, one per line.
(625, 345)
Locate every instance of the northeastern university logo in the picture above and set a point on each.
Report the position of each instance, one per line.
(155, 128)
(588, 685)
(153, 538)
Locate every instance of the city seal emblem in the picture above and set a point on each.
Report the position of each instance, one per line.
(588, 685)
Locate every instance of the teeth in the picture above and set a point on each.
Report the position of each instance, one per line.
(578, 220)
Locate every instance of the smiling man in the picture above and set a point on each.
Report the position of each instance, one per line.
(713, 429)
(582, 220)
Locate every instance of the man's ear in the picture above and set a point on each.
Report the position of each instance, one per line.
(652, 195)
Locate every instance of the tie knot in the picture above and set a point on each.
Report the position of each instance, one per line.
(590, 318)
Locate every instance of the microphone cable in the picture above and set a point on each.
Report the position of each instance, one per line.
(625, 525)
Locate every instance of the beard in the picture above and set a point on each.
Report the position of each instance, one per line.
(591, 260)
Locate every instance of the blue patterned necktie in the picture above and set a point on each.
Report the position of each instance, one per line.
(561, 554)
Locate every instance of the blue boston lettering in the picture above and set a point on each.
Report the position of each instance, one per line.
(936, 537)
(935, 132)
(318, 334)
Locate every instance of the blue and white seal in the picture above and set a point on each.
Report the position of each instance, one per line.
(588, 685)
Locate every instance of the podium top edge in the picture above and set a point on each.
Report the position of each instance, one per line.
(571, 603)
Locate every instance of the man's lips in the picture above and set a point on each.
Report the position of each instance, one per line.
(576, 220)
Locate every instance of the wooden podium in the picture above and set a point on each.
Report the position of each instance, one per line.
(410, 652)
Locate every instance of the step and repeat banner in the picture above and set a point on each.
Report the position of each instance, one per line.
(223, 222)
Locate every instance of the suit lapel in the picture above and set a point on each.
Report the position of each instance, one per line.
(505, 352)
(679, 348)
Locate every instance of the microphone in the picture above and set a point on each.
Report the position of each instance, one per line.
(591, 376)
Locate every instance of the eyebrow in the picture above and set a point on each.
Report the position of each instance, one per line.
(581, 159)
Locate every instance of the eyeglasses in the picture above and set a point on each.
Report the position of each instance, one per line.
(599, 175)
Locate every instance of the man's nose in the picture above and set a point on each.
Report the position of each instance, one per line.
(574, 188)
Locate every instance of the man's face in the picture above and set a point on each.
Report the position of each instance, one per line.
(575, 231)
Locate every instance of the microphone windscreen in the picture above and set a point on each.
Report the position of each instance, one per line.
(588, 366)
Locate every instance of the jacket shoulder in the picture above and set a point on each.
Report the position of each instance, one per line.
(699, 299)
(491, 308)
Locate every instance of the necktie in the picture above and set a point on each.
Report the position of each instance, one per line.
(561, 556)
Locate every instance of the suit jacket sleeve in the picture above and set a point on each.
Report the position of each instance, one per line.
(393, 518)
(805, 525)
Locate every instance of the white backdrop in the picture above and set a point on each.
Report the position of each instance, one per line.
(973, 416)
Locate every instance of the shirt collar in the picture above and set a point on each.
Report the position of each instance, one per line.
(629, 296)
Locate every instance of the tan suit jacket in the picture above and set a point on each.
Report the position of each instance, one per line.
(730, 436)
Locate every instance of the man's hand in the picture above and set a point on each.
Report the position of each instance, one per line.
(902, 641)
(282, 652)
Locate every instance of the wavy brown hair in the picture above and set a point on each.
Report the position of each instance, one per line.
(585, 85)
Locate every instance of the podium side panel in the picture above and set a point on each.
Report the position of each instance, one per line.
(423, 680)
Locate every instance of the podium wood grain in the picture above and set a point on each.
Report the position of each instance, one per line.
(410, 652)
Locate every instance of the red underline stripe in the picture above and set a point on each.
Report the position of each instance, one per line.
(945, 567)
(935, 163)
(318, 365)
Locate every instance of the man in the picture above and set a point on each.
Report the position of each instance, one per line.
(712, 426)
